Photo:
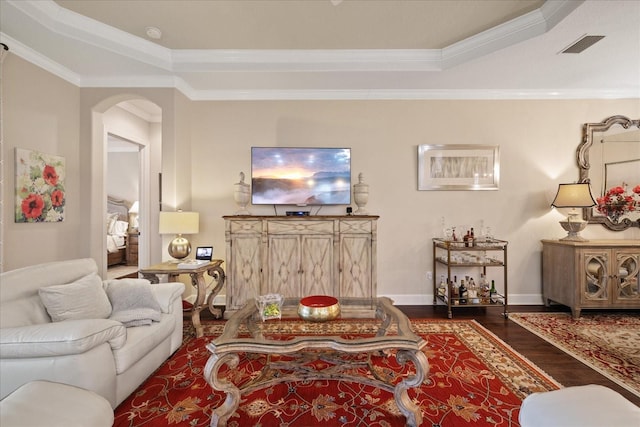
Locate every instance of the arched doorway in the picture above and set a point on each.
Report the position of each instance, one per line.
(138, 121)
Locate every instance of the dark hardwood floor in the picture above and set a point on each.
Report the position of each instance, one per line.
(565, 369)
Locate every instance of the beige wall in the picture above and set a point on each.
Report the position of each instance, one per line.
(40, 112)
(206, 145)
(537, 139)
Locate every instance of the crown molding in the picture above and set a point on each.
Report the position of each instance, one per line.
(70, 24)
(78, 27)
(40, 60)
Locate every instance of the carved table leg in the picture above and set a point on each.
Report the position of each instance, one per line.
(218, 275)
(407, 407)
(222, 413)
(198, 282)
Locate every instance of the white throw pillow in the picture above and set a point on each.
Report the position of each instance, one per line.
(133, 301)
(83, 299)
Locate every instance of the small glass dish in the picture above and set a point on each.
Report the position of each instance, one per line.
(270, 306)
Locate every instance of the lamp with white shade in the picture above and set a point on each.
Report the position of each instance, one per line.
(573, 196)
(179, 223)
(134, 210)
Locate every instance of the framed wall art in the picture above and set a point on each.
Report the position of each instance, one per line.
(458, 167)
(40, 191)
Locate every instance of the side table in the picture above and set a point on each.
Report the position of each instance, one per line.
(213, 268)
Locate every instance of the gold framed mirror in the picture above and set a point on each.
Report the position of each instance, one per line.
(609, 159)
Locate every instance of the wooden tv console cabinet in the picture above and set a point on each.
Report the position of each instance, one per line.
(300, 256)
(594, 274)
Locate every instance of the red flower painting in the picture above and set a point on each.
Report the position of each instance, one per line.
(32, 206)
(50, 175)
(40, 192)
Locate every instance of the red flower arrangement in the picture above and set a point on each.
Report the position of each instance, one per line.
(616, 202)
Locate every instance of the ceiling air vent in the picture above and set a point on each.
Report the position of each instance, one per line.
(582, 44)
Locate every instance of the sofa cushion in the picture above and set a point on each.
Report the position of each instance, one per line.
(140, 341)
(20, 304)
(133, 303)
(83, 299)
(60, 338)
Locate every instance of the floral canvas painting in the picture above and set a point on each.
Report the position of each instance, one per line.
(40, 192)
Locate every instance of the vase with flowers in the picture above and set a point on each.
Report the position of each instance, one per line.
(618, 201)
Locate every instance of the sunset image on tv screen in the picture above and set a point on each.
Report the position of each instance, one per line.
(300, 176)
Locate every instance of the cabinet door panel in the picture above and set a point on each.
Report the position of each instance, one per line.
(596, 277)
(625, 275)
(284, 265)
(245, 270)
(355, 274)
(317, 266)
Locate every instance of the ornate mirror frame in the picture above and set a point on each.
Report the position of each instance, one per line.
(583, 163)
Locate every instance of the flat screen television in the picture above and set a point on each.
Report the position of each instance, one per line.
(300, 176)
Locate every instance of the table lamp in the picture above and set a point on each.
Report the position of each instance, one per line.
(573, 196)
(133, 216)
(179, 223)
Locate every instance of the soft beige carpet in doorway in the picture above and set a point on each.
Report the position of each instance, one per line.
(608, 343)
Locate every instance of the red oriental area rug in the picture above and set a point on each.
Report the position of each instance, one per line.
(474, 379)
(608, 342)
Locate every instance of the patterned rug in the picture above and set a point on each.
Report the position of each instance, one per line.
(608, 343)
(475, 379)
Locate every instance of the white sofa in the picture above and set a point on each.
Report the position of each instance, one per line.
(97, 354)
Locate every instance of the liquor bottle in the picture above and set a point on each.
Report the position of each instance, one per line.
(455, 289)
(465, 239)
(493, 293)
(472, 238)
(484, 289)
(463, 292)
(442, 287)
(473, 292)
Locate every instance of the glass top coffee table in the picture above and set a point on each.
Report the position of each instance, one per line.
(245, 332)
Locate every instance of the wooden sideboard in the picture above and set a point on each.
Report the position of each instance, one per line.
(593, 274)
(300, 256)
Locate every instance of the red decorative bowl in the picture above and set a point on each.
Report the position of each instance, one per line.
(319, 308)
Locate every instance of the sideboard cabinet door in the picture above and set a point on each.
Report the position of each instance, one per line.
(244, 262)
(357, 259)
(626, 289)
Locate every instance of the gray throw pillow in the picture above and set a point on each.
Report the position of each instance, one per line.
(83, 299)
(133, 302)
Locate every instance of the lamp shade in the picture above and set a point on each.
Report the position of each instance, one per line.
(573, 196)
(135, 208)
(179, 222)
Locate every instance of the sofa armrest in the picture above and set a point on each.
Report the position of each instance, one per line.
(60, 338)
(167, 294)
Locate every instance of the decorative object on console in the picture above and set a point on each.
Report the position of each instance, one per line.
(134, 210)
(242, 195)
(40, 191)
(618, 201)
(361, 195)
(319, 308)
(179, 223)
(573, 196)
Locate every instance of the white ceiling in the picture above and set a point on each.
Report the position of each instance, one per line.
(332, 49)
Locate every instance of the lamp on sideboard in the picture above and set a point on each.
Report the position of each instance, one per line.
(179, 223)
(573, 196)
